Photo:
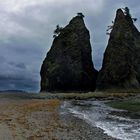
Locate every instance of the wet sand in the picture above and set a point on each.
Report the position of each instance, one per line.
(38, 119)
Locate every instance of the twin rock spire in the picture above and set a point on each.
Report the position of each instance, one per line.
(68, 65)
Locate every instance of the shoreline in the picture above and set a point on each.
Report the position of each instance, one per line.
(39, 119)
(85, 131)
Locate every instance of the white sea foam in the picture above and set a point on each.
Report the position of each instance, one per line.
(99, 115)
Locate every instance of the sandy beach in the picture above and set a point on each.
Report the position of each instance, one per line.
(38, 119)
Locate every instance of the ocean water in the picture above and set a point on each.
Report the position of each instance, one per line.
(97, 114)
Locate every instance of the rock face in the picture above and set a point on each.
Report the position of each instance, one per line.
(68, 65)
(121, 63)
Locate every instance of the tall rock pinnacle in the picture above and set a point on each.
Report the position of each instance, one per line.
(68, 65)
(121, 63)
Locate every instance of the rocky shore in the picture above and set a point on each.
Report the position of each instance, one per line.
(80, 130)
(37, 119)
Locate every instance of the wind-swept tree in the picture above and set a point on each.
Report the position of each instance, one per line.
(109, 28)
(127, 13)
(57, 31)
(134, 19)
(80, 15)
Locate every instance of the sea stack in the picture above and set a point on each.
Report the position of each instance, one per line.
(121, 62)
(68, 65)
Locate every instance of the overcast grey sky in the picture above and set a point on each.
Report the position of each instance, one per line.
(26, 30)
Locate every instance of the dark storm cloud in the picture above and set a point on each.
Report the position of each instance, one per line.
(18, 65)
(26, 30)
(16, 84)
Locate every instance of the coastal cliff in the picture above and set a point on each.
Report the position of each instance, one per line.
(68, 65)
(121, 62)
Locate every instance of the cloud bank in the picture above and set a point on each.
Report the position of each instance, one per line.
(26, 30)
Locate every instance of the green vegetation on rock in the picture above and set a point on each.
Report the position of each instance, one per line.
(68, 65)
(120, 69)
